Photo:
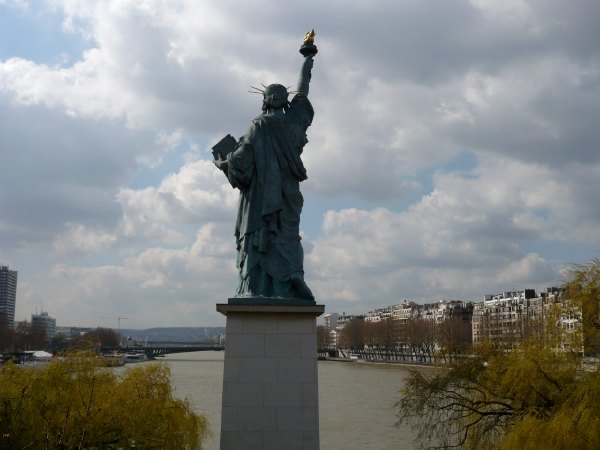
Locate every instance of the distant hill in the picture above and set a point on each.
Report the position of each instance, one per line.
(174, 334)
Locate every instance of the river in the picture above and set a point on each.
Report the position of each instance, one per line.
(356, 400)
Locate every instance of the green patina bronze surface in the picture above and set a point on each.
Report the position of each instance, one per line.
(266, 167)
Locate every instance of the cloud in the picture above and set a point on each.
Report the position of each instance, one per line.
(469, 235)
(169, 287)
(58, 170)
(197, 194)
(542, 112)
(79, 238)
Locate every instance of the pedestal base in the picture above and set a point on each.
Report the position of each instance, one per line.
(270, 385)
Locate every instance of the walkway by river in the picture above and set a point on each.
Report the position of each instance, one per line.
(356, 400)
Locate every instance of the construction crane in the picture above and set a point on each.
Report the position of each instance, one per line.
(118, 319)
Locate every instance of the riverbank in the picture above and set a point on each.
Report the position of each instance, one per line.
(380, 362)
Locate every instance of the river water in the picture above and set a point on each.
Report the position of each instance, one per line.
(356, 400)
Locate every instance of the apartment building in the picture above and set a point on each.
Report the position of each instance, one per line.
(510, 317)
(8, 294)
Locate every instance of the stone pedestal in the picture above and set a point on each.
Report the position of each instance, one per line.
(270, 385)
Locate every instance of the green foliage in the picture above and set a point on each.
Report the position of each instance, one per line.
(583, 289)
(78, 403)
(574, 425)
(473, 403)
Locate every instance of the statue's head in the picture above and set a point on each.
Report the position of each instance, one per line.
(275, 97)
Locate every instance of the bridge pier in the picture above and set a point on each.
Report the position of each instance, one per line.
(270, 384)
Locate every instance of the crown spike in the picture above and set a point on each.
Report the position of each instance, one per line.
(258, 90)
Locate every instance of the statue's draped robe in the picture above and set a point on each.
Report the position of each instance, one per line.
(267, 169)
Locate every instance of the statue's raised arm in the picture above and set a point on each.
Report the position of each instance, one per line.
(308, 50)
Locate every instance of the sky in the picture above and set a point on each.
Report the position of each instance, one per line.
(455, 149)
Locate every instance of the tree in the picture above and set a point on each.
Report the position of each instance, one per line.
(419, 336)
(583, 289)
(352, 335)
(371, 335)
(573, 426)
(77, 403)
(7, 334)
(453, 337)
(30, 337)
(39, 337)
(323, 337)
(389, 333)
(59, 342)
(381, 334)
(100, 337)
(476, 402)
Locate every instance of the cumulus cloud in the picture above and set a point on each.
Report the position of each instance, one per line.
(58, 170)
(197, 194)
(165, 286)
(470, 235)
(78, 238)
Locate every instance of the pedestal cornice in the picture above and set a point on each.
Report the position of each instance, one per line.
(261, 305)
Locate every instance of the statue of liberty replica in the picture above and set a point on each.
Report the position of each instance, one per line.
(266, 167)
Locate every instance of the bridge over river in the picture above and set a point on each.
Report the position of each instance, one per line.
(157, 349)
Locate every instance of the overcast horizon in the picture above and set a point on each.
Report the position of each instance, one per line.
(455, 150)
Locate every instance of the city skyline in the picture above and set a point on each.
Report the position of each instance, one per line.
(454, 150)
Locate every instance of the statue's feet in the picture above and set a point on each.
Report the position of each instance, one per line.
(301, 290)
